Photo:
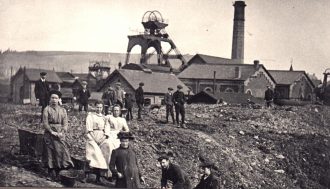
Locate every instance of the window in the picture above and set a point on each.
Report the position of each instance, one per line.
(208, 89)
(249, 92)
(229, 90)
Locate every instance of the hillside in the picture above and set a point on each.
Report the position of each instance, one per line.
(76, 62)
(285, 147)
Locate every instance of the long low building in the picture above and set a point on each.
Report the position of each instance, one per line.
(155, 83)
(228, 78)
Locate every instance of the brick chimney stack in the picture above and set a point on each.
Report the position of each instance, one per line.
(238, 32)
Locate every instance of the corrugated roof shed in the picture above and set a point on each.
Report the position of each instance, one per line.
(223, 71)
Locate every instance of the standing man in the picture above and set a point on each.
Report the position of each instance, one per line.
(173, 173)
(83, 96)
(41, 91)
(123, 164)
(108, 99)
(119, 95)
(129, 106)
(269, 96)
(139, 97)
(208, 180)
(179, 100)
(168, 99)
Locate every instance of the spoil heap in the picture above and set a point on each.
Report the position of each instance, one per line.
(285, 147)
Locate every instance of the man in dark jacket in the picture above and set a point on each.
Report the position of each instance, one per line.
(41, 91)
(173, 173)
(139, 98)
(269, 95)
(179, 100)
(129, 106)
(83, 96)
(123, 164)
(108, 98)
(208, 180)
(168, 99)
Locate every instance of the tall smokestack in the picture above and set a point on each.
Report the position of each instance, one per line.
(238, 32)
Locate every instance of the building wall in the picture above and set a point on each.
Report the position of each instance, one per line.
(301, 89)
(17, 90)
(257, 84)
(207, 84)
(283, 92)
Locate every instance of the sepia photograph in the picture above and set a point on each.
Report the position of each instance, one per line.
(165, 94)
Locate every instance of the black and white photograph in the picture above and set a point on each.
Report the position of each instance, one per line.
(165, 94)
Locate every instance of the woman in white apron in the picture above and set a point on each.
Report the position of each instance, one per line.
(98, 146)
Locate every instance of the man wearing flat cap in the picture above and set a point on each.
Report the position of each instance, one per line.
(41, 91)
(83, 96)
(168, 99)
(139, 98)
(179, 100)
(124, 164)
(208, 180)
(173, 173)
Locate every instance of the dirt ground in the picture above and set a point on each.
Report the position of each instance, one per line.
(282, 147)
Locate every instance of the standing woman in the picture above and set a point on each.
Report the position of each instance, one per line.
(117, 124)
(55, 122)
(97, 144)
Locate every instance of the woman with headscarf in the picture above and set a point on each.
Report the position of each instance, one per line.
(55, 122)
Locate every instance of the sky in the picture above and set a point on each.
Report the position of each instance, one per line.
(277, 32)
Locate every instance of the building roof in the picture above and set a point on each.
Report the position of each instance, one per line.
(223, 71)
(152, 67)
(284, 77)
(33, 74)
(81, 76)
(212, 59)
(66, 92)
(154, 82)
(232, 98)
(66, 76)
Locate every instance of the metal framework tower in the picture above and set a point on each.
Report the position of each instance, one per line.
(154, 34)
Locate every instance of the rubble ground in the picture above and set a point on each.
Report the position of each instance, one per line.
(282, 147)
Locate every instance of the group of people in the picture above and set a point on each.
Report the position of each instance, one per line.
(107, 139)
(107, 149)
(124, 99)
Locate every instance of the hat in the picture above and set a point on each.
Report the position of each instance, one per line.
(125, 135)
(180, 87)
(58, 93)
(110, 88)
(207, 164)
(170, 89)
(118, 83)
(141, 84)
(43, 73)
(84, 82)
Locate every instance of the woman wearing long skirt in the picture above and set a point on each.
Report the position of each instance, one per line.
(55, 122)
(98, 144)
(117, 124)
